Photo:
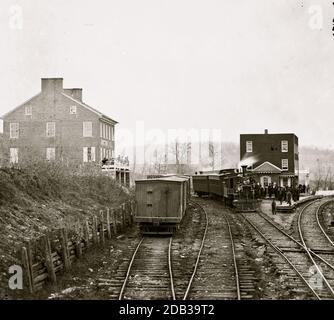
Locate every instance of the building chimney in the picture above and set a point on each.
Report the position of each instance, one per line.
(75, 93)
(265, 131)
(52, 84)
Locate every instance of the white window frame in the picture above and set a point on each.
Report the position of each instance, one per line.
(249, 146)
(73, 109)
(14, 130)
(87, 129)
(285, 164)
(51, 154)
(51, 129)
(89, 154)
(13, 155)
(285, 146)
(28, 110)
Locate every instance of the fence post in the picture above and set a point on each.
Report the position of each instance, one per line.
(114, 221)
(108, 224)
(101, 228)
(86, 233)
(30, 260)
(27, 268)
(78, 247)
(132, 211)
(123, 216)
(95, 238)
(48, 258)
(64, 249)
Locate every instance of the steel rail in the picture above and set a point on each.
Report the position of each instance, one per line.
(129, 269)
(199, 253)
(170, 269)
(319, 224)
(234, 258)
(279, 251)
(307, 250)
(295, 240)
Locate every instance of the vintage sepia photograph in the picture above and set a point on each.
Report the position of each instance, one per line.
(163, 150)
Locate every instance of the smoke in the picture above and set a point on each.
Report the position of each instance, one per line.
(248, 161)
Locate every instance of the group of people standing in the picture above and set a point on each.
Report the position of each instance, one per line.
(286, 194)
(282, 194)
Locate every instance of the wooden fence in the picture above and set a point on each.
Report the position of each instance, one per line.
(43, 259)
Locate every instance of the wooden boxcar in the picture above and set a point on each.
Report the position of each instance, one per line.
(161, 204)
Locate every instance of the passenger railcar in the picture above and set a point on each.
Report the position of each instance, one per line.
(234, 187)
(201, 184)
(161, 203)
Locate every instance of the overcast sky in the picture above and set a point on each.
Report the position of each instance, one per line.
(239, 66)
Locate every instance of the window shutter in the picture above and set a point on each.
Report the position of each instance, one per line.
(85, 154)
(93, 154)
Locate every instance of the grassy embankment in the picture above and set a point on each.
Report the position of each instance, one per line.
(47, 196)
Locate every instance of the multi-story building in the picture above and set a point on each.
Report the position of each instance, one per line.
(273, 158)
(57, 125)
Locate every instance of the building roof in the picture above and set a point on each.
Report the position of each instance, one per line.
(267, 167)
(19, 106)
(101, 115)
(90, 108)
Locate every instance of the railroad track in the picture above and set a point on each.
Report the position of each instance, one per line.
(186, 246)
(320, 246)
(222, 271)
(292, 257)
(150, 273)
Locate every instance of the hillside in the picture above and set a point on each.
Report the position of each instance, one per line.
(45, 197)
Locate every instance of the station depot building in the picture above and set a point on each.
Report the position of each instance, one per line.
(272, 158)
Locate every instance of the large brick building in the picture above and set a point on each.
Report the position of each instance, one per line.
(56, 124)
(273, 158)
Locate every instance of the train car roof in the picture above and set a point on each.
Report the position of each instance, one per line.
(169, 179)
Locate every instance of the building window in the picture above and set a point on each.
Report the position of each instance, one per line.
(109, 133)
(249, 146)
(284, 146)
(14, 129)
(285, 164)
(88, 154)
(51, 154)
(87, 129)
(14, 155)
(50, 129)
(73, 109)
(28, 110)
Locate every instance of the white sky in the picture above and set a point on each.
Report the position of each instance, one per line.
(236, 65)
